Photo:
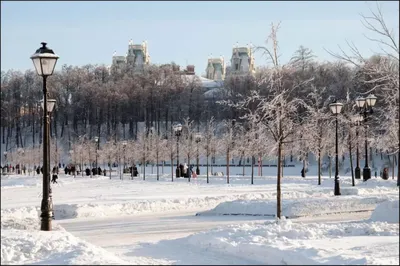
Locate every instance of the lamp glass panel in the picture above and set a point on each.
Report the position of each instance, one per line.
(371, 100)
(360, 102)
(36, 63)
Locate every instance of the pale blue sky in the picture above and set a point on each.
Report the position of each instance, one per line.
(183, 32)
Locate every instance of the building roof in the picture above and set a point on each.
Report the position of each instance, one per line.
(205, 83)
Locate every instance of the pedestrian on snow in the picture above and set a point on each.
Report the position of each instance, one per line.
(190, 171)
(73, 169)
(303, 173)
(54, 176)
(87, 170)
(181, 170)
(135, 171)
(185, 170)
(385, 173)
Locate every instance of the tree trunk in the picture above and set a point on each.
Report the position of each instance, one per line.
(252, 169)
(227, 166)
(278, 184)
(319, 166)
(351, 162)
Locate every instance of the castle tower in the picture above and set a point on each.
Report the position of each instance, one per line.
(215, 69)
(138, 55)
(118, 62)
(242, 60)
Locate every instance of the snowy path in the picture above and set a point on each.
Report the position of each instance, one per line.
(128, 236)
(122, 235)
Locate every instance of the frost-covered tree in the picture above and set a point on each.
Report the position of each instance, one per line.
(318, 124)
(380, 76)
(277, 110)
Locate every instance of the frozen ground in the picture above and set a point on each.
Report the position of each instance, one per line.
(103, 221)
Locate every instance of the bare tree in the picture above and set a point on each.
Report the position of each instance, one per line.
(383, 76)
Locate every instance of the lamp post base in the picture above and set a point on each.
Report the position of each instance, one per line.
(178, 172)
(46, 215)
(366, 173)
(357, 173)
(197, 170)
(337, 187)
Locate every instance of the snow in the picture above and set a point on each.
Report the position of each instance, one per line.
(103, 221)
(387, 211)
(285, 242)
(297, 207)
(56, 247)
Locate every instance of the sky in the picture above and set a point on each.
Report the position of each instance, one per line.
(85, 32)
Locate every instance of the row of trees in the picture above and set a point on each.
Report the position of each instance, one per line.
(282, 109)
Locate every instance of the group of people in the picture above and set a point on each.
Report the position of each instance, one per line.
(11, 168)
(186, 171)
(133, 170)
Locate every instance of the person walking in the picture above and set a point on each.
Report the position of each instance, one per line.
(185, 170)
(54, 176)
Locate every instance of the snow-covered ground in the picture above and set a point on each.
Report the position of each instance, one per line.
(103, 221)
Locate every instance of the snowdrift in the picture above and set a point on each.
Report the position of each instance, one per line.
(387, 211)
(293, 208)
(292, 243)
(56, 247)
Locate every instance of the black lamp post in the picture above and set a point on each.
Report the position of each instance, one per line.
(178, 130)
(365, 105)
(197, 137)
(357, 120)
(96, 139)
(45, 61)
(50, 106)
(336, 108)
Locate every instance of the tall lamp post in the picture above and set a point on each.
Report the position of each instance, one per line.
(336, 108)
(44, 60)
(357, 121)
(178, 130)
(197, 138)
(50, 106)
(96, 139)
(365, 105)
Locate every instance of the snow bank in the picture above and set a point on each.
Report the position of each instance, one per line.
(56, 247)
(387, 211)
(135, 206)
(287, 242)
(22, 242)
(26, 218)
(293, 208)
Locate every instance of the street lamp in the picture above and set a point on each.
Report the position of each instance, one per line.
(50, 107)
(178, 130)
(365, 105)
(44, 60)
(357, 119)
(96, 139)
(197, 138)
(336, 108)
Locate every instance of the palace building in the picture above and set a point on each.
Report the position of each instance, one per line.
(136, 57)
